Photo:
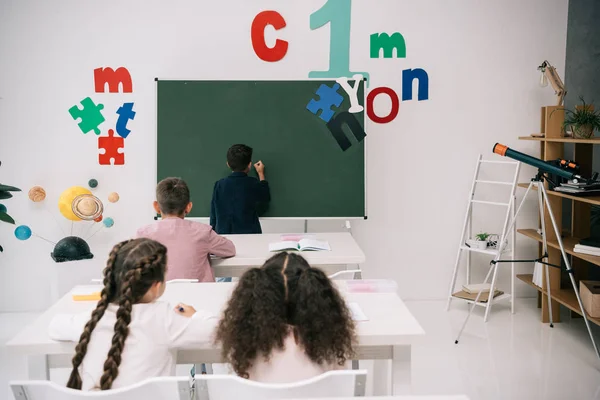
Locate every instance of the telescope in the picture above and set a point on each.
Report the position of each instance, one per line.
(543, 166)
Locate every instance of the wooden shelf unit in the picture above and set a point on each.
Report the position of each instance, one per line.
(568, 242)
(594, 140)
(584, 199)
(551, 148)
(566, 297)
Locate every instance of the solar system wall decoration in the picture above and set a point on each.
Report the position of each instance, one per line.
(82, 208)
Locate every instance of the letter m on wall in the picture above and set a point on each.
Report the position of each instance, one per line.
(104, 76)
(387, 43)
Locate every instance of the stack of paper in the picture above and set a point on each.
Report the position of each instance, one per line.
(357, 312)
(477, 287)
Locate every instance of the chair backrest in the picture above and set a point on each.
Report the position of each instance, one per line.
(352, 272)
(161, 388)
(345, 383)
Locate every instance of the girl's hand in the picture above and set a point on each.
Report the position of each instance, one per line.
(185, 310)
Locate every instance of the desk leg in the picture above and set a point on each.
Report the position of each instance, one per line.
(37, 368)
(401, 372)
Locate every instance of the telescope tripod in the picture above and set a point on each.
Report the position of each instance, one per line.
(538, 182)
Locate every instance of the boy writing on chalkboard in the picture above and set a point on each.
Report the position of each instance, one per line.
(239, 199)
(188, 243)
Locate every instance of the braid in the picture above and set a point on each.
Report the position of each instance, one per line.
(74, 381)
(126, 301)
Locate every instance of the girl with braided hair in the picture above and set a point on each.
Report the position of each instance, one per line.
(285, 322)
(130, 336)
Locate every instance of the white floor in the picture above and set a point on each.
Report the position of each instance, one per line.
(511, 357)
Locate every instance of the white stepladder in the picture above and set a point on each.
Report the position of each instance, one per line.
(500, 250)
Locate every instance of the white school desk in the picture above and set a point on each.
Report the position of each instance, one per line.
(253, 251)
(438, 397)
(388, 335)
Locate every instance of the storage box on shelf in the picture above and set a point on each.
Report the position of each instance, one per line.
(552, 148)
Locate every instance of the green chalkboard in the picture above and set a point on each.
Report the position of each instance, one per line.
(308, 172)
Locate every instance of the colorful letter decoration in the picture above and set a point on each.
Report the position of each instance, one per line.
(261, 49)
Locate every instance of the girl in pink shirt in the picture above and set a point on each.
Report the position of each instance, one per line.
(285, 322)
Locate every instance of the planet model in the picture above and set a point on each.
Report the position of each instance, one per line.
(113, 197)
(37, 194)
(65, 202)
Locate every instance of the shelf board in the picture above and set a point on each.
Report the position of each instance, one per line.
(585, 199)
(569, 242)
(594, 140)
(566, 297)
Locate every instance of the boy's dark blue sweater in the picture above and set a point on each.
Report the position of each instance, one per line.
(236, 204)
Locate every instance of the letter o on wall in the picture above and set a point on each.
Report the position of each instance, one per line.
(395, 105)
(257, 33)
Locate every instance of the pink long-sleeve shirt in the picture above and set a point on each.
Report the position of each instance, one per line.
(189, 246)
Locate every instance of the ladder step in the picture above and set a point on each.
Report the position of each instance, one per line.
(492, 203)
(504, 296)
(495, 182)
(499, 162)
(473, 249)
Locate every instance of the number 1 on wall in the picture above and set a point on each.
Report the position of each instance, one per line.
(337, 13)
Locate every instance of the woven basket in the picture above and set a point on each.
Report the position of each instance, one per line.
(583, 131)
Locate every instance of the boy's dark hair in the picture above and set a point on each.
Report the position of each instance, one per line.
(286, 295)
(132, 268)
(238, 157)
(173, 196)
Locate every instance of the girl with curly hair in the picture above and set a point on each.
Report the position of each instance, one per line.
(285, 322)
(130, 336)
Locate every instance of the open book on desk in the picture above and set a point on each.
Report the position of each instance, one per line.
(301, 245)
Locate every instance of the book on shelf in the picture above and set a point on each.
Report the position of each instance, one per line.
(483, 298)
(591, 251)
(591, 241)
(582, 188)
(477, 287)
(537, 278)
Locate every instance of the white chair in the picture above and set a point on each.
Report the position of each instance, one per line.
(354, 273)
(346, 383)
(161, 388)
(343, 383)
(183, 281)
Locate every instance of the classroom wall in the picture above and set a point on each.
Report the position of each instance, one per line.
(480, 58)
(583, 57)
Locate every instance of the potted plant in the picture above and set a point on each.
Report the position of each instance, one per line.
(5, 194)
(582, 121)
(480, 242)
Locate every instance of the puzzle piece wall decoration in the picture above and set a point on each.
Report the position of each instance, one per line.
(328, 97)
(125, 114)
(111, 146)
(90, 115)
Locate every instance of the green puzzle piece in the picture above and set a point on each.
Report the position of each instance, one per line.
(90, 115)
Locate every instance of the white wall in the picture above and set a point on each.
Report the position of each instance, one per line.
(481, 58)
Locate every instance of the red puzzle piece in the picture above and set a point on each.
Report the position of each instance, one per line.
(111, 146)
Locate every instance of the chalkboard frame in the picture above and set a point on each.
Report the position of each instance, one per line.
(327, 81)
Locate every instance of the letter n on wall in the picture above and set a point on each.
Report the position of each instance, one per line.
(335, 127)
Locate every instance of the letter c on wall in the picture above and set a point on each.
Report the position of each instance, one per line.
(261, 49)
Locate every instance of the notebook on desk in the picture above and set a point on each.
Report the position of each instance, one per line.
(302, 245)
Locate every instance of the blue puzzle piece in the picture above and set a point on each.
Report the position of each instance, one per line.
(90, 114)
(328, 97)
(125, 114)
